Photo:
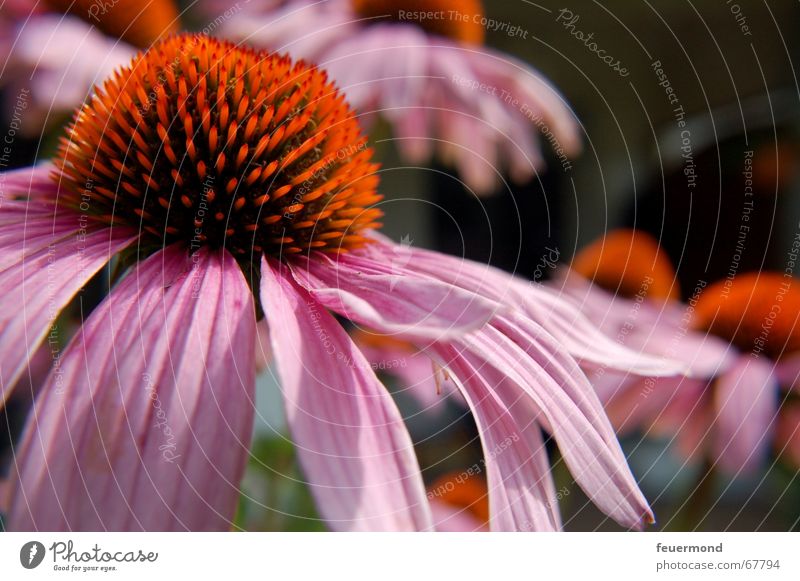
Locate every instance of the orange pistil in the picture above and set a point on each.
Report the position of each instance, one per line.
(456, 19)
(134, 21)
(628, 263)
(204, 142)
(757, 312)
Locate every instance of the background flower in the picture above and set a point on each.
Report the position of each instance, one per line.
(431, 78)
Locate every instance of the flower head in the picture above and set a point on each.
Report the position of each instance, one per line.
(205, 143)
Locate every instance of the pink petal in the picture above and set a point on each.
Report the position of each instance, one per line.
(147, 423)
(35, 182)
(521, 491)
(558, 315)
(746, 400)
(649, 327)
(522, 360)
(417, 375)
(382, 295)
(353, 445)
(705, 355)
(639, 403)
(33, 292)
(31, 230)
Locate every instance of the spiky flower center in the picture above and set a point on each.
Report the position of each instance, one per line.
(629, 263)
(757, 312)
(460, 20)
(204, 142)
(136, 22)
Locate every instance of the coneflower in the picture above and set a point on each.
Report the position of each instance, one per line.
(231, 186)
(422, 66)
(735, 336)
(59, 49)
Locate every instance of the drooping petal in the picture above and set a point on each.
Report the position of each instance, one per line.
(705, 355)
(746, 403)
(638, 403)
(383, 296)
(33, 292)
(523, 361)
(146, 424)
(353, 445)
(654, 327)
(558, 315)
(686, 420)
(521, 491)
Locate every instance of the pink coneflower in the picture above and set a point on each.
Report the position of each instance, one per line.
(732, 336)
(422, 66)
(235, 186)
(59, 49)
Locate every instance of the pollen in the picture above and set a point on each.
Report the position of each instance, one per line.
(204, 142)
(460, 20)
(628, 263)
(757, 312)
(136, 22)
